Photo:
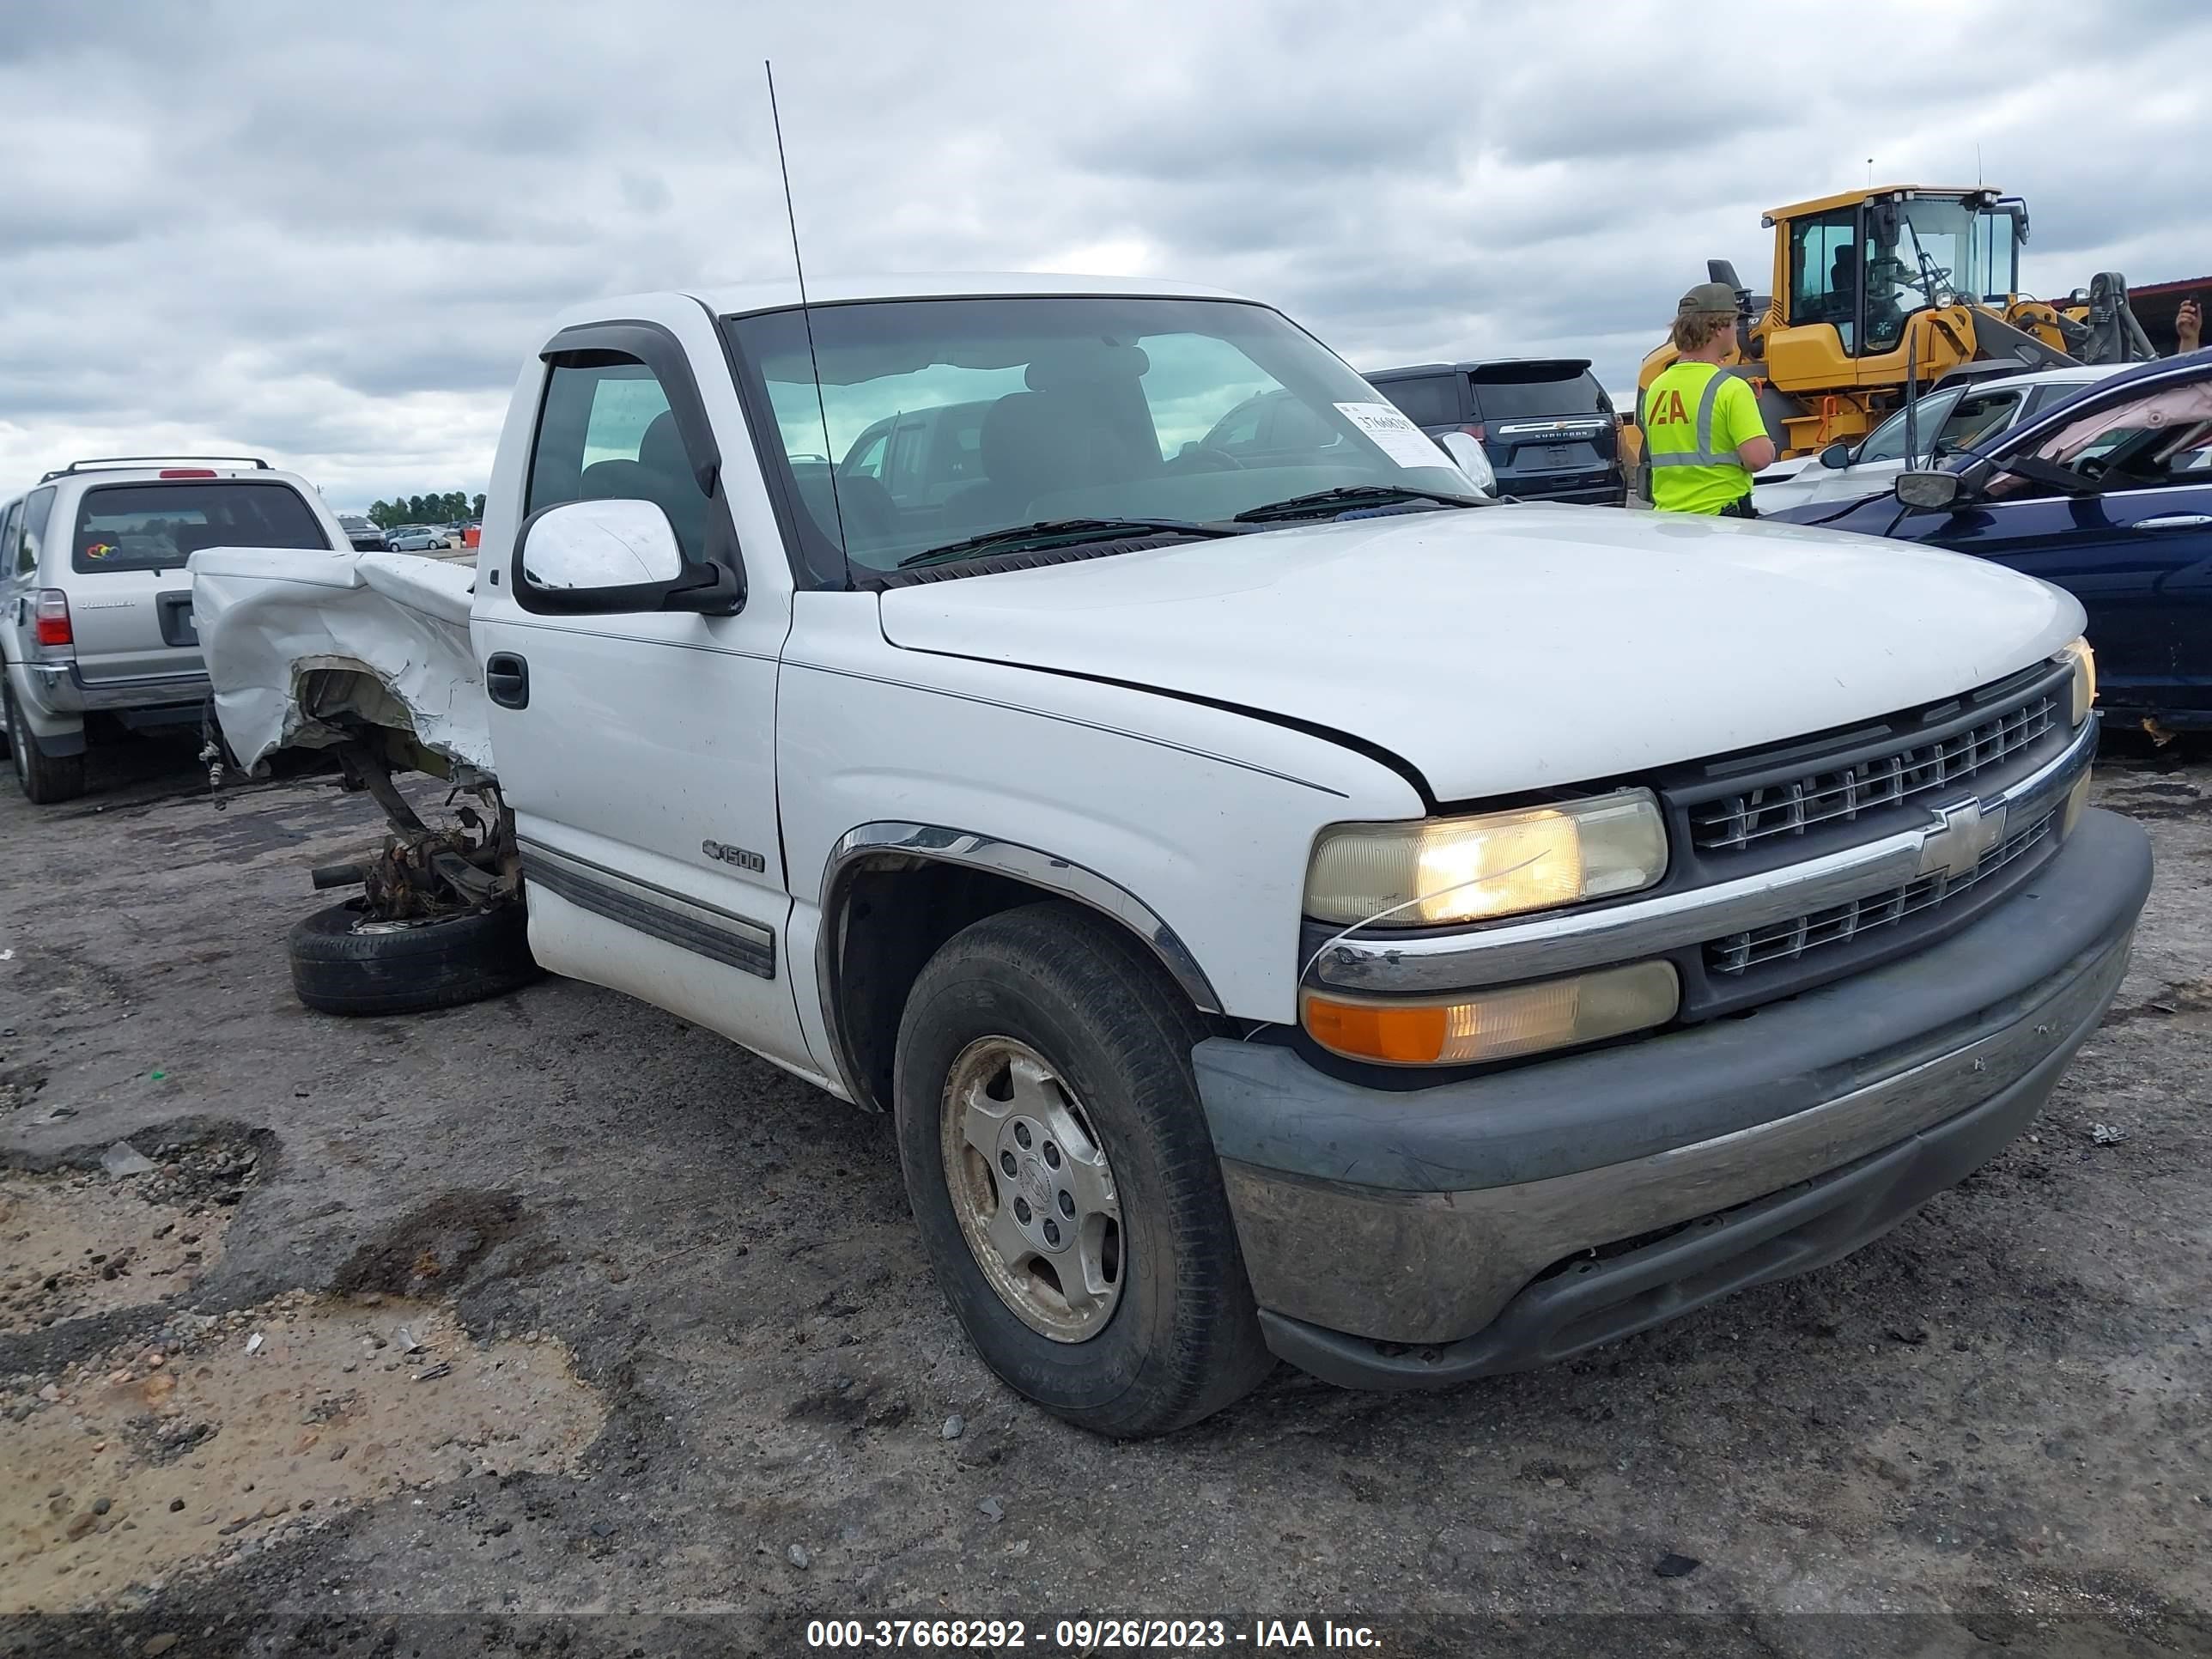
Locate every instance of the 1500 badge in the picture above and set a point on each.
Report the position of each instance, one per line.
(737, 855)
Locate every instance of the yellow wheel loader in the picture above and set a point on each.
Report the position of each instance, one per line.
(1878, 292)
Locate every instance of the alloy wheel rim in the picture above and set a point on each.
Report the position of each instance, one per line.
(1032, 1190)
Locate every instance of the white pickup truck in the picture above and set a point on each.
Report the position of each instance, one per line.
(1292, 905)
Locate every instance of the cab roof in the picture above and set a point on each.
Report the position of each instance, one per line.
(957, 285)
(1852, 198)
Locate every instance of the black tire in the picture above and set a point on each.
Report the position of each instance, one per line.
(338, 968)
(1184, 1339)
(44, 778)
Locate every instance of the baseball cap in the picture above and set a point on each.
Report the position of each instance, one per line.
(1708, 296)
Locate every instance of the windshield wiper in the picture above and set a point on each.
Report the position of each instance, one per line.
(1047, 532)
(1348, 496)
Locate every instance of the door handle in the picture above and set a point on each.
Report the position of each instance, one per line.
(507, 677)
(2176, 521)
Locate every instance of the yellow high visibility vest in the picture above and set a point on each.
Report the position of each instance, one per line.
(1689, 474)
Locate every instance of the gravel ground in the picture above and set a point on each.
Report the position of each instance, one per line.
(1987, 1431)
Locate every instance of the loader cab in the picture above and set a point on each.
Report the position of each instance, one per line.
(1863, 262)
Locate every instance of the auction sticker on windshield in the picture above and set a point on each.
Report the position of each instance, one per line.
(1393, 434)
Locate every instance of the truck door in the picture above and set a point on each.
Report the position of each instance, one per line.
(637, 750)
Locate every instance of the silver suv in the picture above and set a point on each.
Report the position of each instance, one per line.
(98, 604)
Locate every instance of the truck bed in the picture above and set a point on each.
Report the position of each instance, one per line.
(301, 644)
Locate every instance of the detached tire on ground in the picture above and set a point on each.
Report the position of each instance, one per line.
(345, 962)
(1063, 1178)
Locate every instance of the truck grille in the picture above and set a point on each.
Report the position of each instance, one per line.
(1787, 941)
(1797, 806)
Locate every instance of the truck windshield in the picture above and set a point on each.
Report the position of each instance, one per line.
(947, 420)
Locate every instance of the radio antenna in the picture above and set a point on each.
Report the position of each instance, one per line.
(806, 316)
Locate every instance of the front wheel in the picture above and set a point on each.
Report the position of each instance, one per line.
(1061, 1173)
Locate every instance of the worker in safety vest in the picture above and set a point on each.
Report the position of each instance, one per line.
(1702, 433)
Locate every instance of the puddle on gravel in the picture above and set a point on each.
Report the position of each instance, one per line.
(84, 1242)
(129, 1467)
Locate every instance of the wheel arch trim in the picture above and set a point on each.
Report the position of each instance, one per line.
(868, 844)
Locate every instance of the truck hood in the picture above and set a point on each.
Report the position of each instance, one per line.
(1515, 647)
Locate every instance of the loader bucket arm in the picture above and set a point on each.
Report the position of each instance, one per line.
(1995, 337)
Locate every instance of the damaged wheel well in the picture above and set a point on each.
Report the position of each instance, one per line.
(344, 702)
(889, 913)
(895, 912)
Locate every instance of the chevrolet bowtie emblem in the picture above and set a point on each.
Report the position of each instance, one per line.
(1962, 836)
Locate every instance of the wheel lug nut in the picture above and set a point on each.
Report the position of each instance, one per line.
(1052, 1154)
(1006, 1162)
(1022, 1136)
(1067, 1204)
(1022, 1212)
(1052, 1232)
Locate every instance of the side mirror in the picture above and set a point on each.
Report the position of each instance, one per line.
(1929, 491)
(1468, 455)
(612, 555)
(1836, 457)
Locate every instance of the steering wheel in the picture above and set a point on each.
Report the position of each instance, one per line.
(1187, 457)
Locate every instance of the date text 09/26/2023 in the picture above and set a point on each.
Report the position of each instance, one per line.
(1089, 1636)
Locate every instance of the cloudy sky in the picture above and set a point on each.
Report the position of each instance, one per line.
(330, 233)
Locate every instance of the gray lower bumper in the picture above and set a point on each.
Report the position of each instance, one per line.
(63, 688)
(1426, 1217)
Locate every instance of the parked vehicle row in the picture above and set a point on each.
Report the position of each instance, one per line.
(1292, 905)
(1943, 423)
(363, 535)
(2107, 493)
(1547, 426)
(419, 539)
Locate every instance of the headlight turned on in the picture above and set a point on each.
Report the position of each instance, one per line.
(1465, 1028)
(1495, 864)
(2084, 660)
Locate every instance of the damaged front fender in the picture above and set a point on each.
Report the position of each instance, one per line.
(306, 649)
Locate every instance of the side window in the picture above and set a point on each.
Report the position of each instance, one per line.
(2048, 397)
(1431, 400)
(1239, 428)
(1189, 382)
(11, 523)
(36, 506)
(606, 433)
(1298, 426)
(1886, 441)
(2145, 442)
(1824, 273)
(866, 459)
(1977, 417)
(907, 473)
(960, 445)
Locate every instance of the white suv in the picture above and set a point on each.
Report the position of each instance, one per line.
(98, 604)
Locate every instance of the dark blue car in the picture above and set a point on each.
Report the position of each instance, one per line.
(2108, 495)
